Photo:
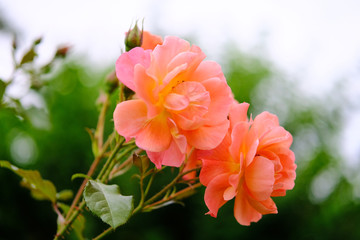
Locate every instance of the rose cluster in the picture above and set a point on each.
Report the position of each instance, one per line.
(183, 109)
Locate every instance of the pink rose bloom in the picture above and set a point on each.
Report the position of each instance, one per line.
(252, 164)
(181, 101)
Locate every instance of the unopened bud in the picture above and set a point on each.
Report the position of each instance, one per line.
(133, 38)
(62, 51)
(141, 161)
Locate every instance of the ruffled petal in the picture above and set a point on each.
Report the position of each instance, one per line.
(264, 207)
(176, 102)
(286, 174)
(150, 41)
(214, 193)
(211, 169)
(265, 121)
(259, 178)
(126, 63)
(129, 117)
(221, 100)
(231, 191)
(163, 54)
(145, 86)
(155, 136)
(238, 138)
(207, 137)
(238, 113)
(216, 161)
(277, 135)
(243, 211)
(173, 156)
(207, 70)
(251, 151)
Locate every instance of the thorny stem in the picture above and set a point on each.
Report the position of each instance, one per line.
(70, 221)
(90, 173)
(174, 196)
(167, 187)
(56, 209)
(70, 218)
(144, 193)
(113, 171)
(149, 185)
(113, 162)
(113, 154)
(142, 197)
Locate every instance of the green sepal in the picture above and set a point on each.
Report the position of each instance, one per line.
(28, 56)
(79, 175)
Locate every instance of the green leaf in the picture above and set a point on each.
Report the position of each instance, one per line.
(28, 56)
(40, 189)
(78, 225)
(106, 202)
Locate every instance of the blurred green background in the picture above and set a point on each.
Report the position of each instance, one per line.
(52, 138)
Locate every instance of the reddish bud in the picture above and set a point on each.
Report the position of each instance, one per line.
(62, 51)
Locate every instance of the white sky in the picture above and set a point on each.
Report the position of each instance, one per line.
(316, 41)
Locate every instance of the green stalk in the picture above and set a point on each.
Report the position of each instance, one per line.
(167, 187)
(113, 154)
(113, 162)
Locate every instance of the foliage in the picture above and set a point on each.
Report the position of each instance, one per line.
(40, 189)
(314, 125)
(106, 202)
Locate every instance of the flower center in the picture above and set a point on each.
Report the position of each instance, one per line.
(188, 102)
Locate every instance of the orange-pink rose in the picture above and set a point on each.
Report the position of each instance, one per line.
(181, 101)
(252, 164)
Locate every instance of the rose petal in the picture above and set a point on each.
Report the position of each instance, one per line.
(207, 70)
(163, 54)
(150, 41)
(126, 63)
(243, 211)
(221, 100)
(155, 136)
(173, 156)
(207, 137)
(264, 207)
(214, 193)
(277, 135)
(176, 102)
(259, 178)
(238, 113)
(145, 86)
(238, 138)
(129, 117)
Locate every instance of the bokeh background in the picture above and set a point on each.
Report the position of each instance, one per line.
(297, 59)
